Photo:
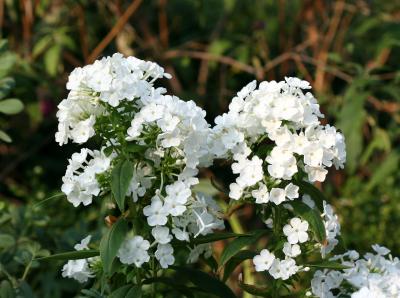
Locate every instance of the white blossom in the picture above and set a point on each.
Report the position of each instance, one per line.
(374, 275)
(164, 254)
(291, 250)
(296, 231)
(161, 234)
(156, 212)
(134, 251)
(79, 269)
(80, 184)
(264, 260)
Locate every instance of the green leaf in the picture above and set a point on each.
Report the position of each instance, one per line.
(111, 242)
(121, 177)
(351, 120)
(6, 240)
(127, 291)
(3, 45)
(380, 142)
(11, 106)
(231, 265)
(7, 61)
(24, 290)
(254, 290)
(107, 151)
(5, 137)
(52, 59)
(212, 263)
(134, 292)
(42, 45)
(327, 265)
(6, 290)
(216, 237)
(384, 170)
(172, 283)
(66, 41)
(6, 85)
(205, 281)
(219, 46)
(72, 255)
(92, 293)
(120, 292)
(134, 148)
(237, 244)
(308, 188)
(312, 217)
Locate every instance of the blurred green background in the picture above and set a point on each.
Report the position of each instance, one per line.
(348, 50)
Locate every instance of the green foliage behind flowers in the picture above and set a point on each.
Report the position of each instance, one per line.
(8, 106)
(27, 234)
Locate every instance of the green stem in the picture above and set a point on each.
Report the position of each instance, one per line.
(234, 221)
(27, 268)
(138, 277)
(153, 285)
(276, 218)
(8, 275)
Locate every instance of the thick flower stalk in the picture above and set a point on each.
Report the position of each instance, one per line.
(150, 146)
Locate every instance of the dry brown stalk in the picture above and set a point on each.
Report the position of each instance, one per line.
(208, 56)
(327, 41)
(115, 30)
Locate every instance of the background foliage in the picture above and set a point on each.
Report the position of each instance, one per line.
(348, 50)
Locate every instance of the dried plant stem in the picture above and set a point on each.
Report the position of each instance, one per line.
(114, 31)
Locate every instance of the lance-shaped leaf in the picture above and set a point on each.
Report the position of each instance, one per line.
(5, 137)
(187, 291)
(309, 189)
(216, 237)
(231, 265)
(255, 290)
(134, 292)
(127, 291)
(327, 265)
(71, 255)
(111, 242)
(120, 179)
(205, 281)
(134, 148)
(237, 244)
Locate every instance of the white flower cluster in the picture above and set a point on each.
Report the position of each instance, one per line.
(180, 125)
(115, 99)
(280, 118)
(175, 133)
(296, 233)
(374, 275)
(79, 269)
(331, 223)
(79, 182)
(109, 80)
(278, 269)
(332, 229)
(198, 216)
(272, 133)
